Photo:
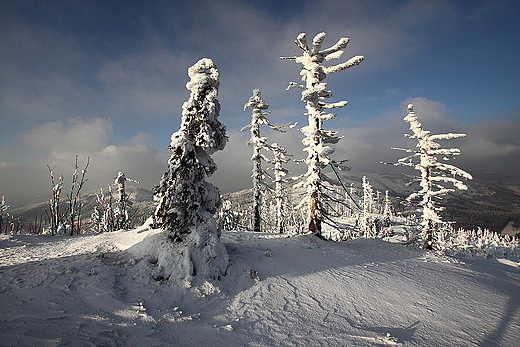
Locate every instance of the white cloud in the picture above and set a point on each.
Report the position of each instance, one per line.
(59, 142)
(63, 139)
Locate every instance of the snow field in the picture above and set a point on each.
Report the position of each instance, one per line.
(299, 291)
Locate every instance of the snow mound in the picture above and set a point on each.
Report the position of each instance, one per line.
(200, 253)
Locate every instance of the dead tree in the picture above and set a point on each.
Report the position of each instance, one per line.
(54, 202)
(75, 197)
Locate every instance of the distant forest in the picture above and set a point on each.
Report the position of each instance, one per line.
(492, 220)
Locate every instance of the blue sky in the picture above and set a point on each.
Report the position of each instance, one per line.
(106, 79)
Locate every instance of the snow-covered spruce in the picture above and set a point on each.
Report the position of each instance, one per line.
(434, 174)
(190, 244)
(317, 139)
(258, 143)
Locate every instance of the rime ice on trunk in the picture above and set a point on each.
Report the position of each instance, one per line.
(366, 224)
(186, 200)
(257, 117)
(122, 212)
(433, 173)
(54, 203)
(280, 157)
(387, 211)
(3, 218)
(258, 143)
(314, 91)
(75, 198)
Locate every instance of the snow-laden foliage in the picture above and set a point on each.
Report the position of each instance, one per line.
(435, 175)
(186, 200)
(481, 243)
(317, 140)
(103, 218)
(258, 143)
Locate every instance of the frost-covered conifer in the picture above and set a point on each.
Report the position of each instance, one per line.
(318, 140)
(258, 143)
(186, 200)
(280, 157)
(122, 213)
(434, 174)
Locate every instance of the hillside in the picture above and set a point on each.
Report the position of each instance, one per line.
(299, 291)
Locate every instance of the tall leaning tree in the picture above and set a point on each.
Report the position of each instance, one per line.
(186, 201)
(434, 175)
(317, 140)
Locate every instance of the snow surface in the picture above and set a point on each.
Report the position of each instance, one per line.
(90, 290)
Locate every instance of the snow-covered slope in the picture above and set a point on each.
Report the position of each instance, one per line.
(300, 291)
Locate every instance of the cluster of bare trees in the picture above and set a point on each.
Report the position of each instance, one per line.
(70, 220)
(109, 214)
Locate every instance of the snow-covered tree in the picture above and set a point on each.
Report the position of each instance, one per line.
(103, 218)
(74, 197)
(186, 200)
(434, 174)
(318, 140)
(366, 218)
(280, 157)
(3, 213)
(387, 210)
(124, 202)
(54, 202)
(258, 143)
